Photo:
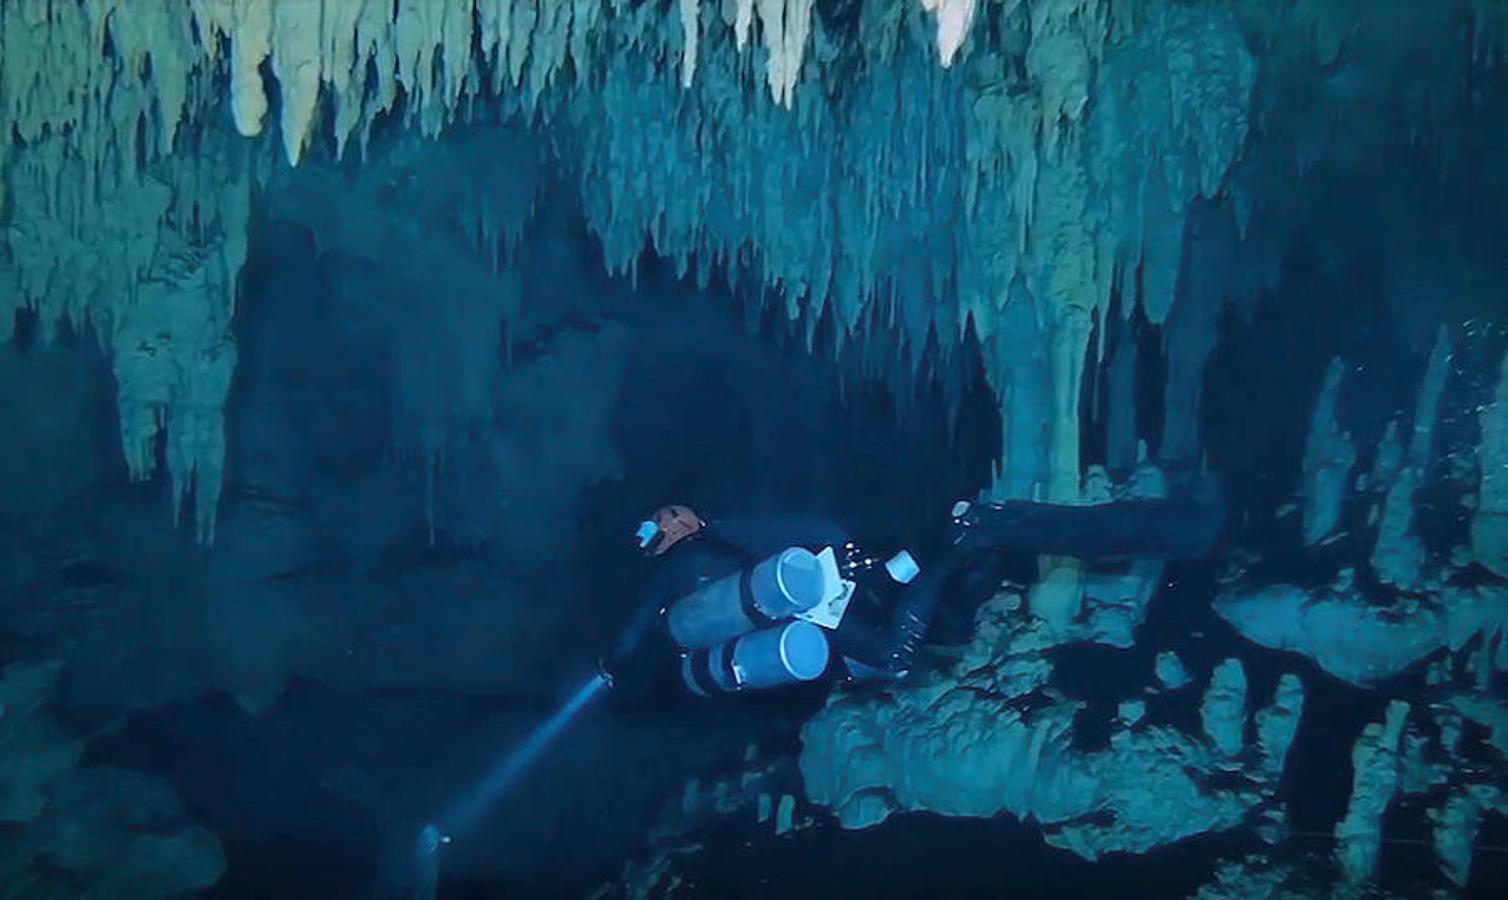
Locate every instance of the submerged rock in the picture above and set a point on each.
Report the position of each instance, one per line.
(1355, 640)
(976, 742)
(93, 832)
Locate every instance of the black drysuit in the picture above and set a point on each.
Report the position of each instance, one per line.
(888, 622)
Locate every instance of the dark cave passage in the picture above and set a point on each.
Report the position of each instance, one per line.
(316, 788)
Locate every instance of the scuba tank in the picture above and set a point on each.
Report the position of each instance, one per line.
(787, 652)
(770, 624)
(784, 585)
(783, 654)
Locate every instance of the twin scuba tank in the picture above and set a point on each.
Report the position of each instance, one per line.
(765, 626)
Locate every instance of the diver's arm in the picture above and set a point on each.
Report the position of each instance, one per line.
(631, 639)
(646, 615)
(641, 647)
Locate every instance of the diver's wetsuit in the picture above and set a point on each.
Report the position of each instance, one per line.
(887, 623)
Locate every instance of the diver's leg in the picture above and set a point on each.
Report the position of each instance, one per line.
(1173, 528)
(1149, 528)
(912, 616)
(890, 643)
(864, 647)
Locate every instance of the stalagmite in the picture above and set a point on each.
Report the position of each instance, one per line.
(1278, 723)
(1374, 781)
(1328, 458)
(1489, 712)
(1120, 406)
(1223, 711)
(1456, 825)
(1489, 523)
(1398, 557)
(785, 814)
(1170, 671)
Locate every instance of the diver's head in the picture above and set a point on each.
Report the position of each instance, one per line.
(666, 527)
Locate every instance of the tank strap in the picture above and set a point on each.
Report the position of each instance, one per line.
(746, 602)
(704, 680)
(700, 671)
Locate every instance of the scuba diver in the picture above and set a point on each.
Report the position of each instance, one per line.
(754, 603)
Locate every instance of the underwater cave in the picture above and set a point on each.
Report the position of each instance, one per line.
(1067, 442)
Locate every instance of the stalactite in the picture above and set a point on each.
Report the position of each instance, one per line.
(296, 52)
(251, 35)
(953, 20)
(1012, 194)
(108, 227)
(786, 25)
(691, 33)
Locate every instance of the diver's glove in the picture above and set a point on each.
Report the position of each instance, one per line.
(606, 671)
(965, 516)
